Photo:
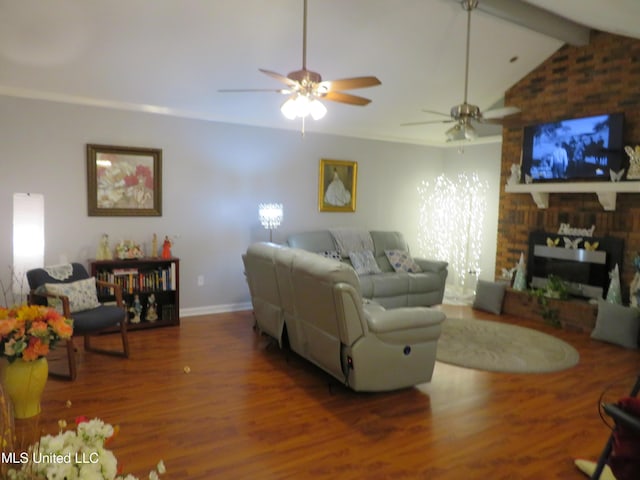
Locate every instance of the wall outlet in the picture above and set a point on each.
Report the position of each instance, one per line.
(200, 280)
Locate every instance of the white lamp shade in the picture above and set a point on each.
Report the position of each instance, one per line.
(270, 215)
(28, 236)
(461, 131)
(470, 132)
(455, 133)
(288, 108)
(317, 109)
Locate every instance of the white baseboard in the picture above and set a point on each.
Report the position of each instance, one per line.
(211, 309)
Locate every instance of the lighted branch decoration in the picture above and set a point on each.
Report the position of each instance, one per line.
(451, 218)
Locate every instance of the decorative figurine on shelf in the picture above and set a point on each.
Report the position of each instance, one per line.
(104, 252)
(136, 309)
(127, 249)
(520, 282)
(634, 288)
(514, 179)
(634, 162)
(152, 309)
(154, 246)
(166, 248)
(614, 295)
(507, 274)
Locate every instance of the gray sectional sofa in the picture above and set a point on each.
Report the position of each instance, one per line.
(389, 288)
(318, 301)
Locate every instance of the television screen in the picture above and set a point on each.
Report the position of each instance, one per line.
(578, 148)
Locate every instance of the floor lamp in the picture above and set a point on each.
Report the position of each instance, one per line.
(28, 240)
(270, 216)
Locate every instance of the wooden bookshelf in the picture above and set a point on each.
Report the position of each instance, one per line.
(154, 282)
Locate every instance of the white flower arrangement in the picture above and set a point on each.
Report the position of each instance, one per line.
(75, 455)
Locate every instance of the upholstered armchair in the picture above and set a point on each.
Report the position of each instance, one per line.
(76, 294)
(623, 440)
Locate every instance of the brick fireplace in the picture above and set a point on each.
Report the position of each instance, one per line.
(601, 77)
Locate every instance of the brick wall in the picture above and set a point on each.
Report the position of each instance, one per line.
(601, 77)
(573, 315)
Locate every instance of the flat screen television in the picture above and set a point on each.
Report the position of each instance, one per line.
(586, 148)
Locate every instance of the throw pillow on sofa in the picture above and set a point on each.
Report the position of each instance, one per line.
(364, 262)
(332, 254)
(401, 261)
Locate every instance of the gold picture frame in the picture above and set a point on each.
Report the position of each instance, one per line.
(337, 184)
(124, 181)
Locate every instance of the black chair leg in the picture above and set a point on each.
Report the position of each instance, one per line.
(71, 363)
(604, 456)
(602, 461)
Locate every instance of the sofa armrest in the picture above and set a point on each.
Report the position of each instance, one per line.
(384, 321)
(436, 266)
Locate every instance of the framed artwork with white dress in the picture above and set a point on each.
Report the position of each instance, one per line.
(337, 186)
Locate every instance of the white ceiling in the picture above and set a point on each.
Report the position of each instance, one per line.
(172, 56)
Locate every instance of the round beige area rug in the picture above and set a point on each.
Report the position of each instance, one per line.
(502, 347)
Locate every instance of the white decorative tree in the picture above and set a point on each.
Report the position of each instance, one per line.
(614, 295)
(520, 282)
(451, 217)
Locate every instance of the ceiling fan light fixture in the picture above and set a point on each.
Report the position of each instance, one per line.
(306, 88)
(470, 133)
(295, 106)
(455, 133)
(301, 106)
(461, 131)
(288, 108)
(317, 109)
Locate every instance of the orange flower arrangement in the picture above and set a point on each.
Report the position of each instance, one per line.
(30, 331)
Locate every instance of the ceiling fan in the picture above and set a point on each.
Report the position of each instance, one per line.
(306, 88)
(464, 113)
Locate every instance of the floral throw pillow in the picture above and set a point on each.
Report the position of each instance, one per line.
(332, 254)
(364, 262)
(82, 294)
(401, 261)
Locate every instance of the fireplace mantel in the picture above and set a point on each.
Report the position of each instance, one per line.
(606, 191)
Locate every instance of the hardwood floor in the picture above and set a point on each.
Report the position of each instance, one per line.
(247, 410)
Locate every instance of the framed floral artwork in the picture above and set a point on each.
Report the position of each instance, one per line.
(124, 181)
(337, 186)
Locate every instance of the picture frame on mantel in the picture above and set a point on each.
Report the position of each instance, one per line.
(338, 180)
(124, 181)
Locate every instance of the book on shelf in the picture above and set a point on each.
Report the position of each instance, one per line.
(168, 313)
(140, 279)
(124, 271)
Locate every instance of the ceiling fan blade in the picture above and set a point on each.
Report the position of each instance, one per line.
(350, 83)
(508, 122)
(491, 121)
(279, 77)
(437, 113)
(346, 98)
(428, 122)
(283, 91)
(500, 112)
